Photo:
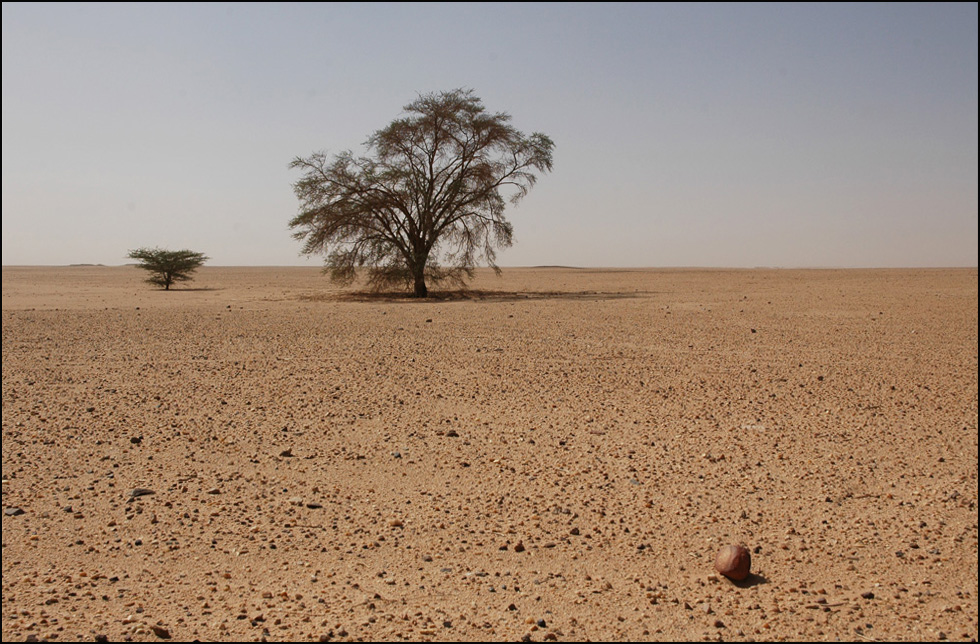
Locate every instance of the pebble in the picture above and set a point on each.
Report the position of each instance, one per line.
(286, 453)
(140, 491)
(13, 512)
(160, 632)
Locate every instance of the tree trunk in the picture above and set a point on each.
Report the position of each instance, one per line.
(417, 265)
(420, 289)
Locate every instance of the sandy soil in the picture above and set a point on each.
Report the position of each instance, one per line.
(557, 458)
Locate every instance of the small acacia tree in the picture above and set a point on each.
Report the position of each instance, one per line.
(168, 266)
(427, 202)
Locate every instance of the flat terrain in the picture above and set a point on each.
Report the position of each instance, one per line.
(557, 456)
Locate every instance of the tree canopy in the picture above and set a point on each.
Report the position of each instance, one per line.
(168, 266)
(427, 201)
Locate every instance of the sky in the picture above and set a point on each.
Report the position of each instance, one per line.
(714, 135)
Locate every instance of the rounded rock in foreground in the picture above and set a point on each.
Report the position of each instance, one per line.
(733, 562)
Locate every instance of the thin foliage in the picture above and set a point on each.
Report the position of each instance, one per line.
(426, 204)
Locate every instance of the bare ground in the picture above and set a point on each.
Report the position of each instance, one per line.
(556, 454)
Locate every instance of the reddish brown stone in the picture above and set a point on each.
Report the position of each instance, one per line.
(733, 562)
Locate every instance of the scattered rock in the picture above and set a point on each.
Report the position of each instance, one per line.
(140, 491)
(160, 632)
(13, 512)
(286, 453)
(519, 547)
(733, 562)
(868, 595)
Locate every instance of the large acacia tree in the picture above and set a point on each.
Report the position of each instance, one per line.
(427, 201)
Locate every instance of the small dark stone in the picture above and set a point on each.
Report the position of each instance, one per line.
(314, 506)
(512, 607)
(575, 532)
(519, 547)
(13, 512)
(136, 440)
(286, 453)
(140, 491)
(541, 623)
(160, 632)
(452, 433)
(101, 638)
(868, 595)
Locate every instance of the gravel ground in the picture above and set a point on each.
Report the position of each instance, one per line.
(558, 454)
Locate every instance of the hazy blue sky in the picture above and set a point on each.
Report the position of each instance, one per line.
(686, 135)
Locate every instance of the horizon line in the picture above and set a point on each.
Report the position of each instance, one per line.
(545, 267)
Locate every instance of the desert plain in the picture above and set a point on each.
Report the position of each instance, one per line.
(557, 454)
